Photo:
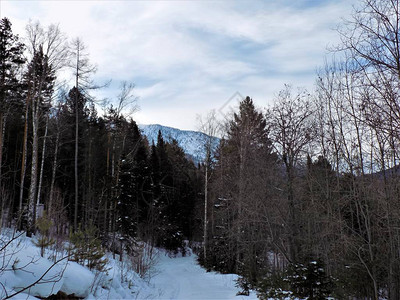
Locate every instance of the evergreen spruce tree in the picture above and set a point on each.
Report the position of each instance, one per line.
(184, 192)
(309, 280)
(245, 163)
(155, 174)
(86, 249)
(11, 60)
(126, 206)
(141, 174)
(133, 185)
(75, 102)
(154, 212)
(44, 225)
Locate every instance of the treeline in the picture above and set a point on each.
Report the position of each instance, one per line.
(305, 196)
(84, 170)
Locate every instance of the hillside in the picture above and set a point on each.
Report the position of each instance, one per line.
(25, 274)
(192, 142)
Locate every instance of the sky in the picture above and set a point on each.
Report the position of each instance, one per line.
(189, 57)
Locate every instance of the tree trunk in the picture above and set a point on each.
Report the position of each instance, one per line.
(42, 162)
(2, 191)
(53, 174)
(76, 166)
(23, 165)
(76, 142)
(2, 131)
(205, 212)
(34, 169)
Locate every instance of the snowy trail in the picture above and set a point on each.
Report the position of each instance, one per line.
(183, 278)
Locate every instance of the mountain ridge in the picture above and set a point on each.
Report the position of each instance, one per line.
(192, 142)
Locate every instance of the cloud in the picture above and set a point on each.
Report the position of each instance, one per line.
(190, 56)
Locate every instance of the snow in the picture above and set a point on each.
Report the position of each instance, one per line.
(77, 280)
(21, 266)
(182, 278)
(192, 142)
(172, 277)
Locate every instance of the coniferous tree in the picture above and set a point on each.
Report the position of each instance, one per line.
(183, 176)
(75, 104)
(11, 60)
(126, 204)
(132, 203)
(245, 163)
(141, 173)
(155, 195)
(167, 230)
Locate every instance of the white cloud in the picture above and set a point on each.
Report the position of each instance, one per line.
(190, 56)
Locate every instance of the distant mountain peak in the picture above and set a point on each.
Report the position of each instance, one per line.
(192, 142)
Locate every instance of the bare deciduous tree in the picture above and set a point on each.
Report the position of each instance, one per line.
(210, 127)
(293, 128)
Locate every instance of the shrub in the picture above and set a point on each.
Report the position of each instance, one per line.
(309, 280)
(304, 281)
(274, 286)
(44, 225)
(86, 249)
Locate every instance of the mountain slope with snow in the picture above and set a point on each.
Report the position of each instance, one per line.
(192, 142)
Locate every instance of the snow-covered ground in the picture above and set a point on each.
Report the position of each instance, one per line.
(172, 277)
(183, 278)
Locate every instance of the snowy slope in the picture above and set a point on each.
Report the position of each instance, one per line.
(175, 278)
(192, 142)
(21, 266)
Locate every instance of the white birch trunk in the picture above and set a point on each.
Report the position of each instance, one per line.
(42, 162)
(53, 175)
(34, 169)
(23, 165)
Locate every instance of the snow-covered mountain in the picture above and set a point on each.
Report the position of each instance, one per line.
(192, 142)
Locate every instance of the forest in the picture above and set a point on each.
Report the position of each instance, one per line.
(301, 199)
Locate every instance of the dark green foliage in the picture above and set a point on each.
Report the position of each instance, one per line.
(303, 281)
(40, 79)
(244, 285)
(242, 183)
(309, 280)
(133, 184)
(75, 100)
(44, 224)
(166, 201)
(126, 205)
(125, 187)
(137, 147)
(11, 59)
(274, 286)
(221, 259)
(86, 249)
(156, 192)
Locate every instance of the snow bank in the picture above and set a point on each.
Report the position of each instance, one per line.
(23, 267)
(78, 280)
